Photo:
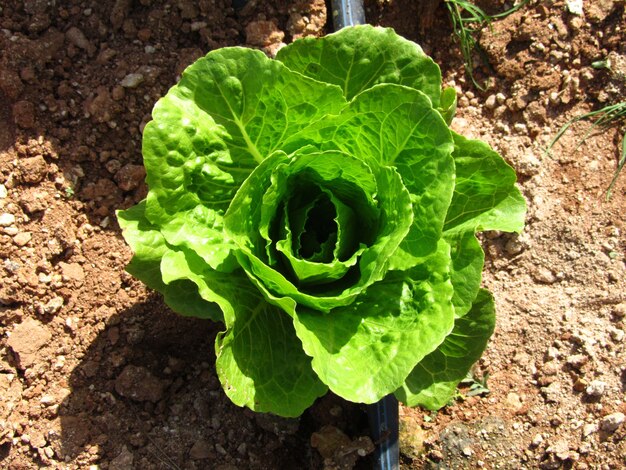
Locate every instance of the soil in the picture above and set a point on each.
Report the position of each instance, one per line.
(95, 371)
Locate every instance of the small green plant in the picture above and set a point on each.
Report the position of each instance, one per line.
(322, 209)
(607, 116)
(467, 20)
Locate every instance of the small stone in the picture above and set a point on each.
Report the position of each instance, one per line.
(3, 191)
(33, 170)
(138, 384)
(514, 400)
(577, 360)
(200, 450)
(595, 389)
(130, 176)
(611, 422)
(328, 440)
(132, 80)
(6, 219)
(53, 305)
(220, 449)
(560, 448)
(22, 238)
(38, 440)
(620, 311)
(72, 272)
(551, 368)
(24, 114)
(33, 201)
(118, 93)
(537, 441)
(589, 429)
(544, 275)
(575, 7)
(263, 33)
(75, 36)
(26, 340)
(617, 335)
(490, 102)
(123, 461)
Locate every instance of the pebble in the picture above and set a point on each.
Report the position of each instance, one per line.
(33, 170)
(263, 33)
(577, 360)
(537, 440)
(137, 383)
(124, 460)
(76, 37)
(611, 422)
(544, 275)
(575, 7)
(617, 335)
(26, 340)
(24, 114)
(589, 429)
(72, 272)
(490, 102)
(22, 238)
(620, 311)
(200, 450)
(132, 80)
(130, 176)
(53, 305)
(3, 191)
(6, 219)
(596, 389)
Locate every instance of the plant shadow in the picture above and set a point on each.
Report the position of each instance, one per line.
(146, 395)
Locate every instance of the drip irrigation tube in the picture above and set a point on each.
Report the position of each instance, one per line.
(383, 415)
(347, 13)
(383, 418)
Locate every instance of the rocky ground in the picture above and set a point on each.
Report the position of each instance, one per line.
(95, 372)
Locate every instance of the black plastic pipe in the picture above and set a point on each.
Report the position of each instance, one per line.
(347, 13)
(383, 415)
(384, 420)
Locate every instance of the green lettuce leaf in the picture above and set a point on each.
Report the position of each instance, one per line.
(485, 198)
(433, 382)
(366, 350)
(358, 58)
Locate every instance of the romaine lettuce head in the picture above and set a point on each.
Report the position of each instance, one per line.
(321, 208)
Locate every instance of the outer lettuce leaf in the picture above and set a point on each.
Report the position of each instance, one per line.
(363, 56)
(150, 248)
(258, 100)
(260, 361)
(485, 198)
(365, 350)
(433, 382)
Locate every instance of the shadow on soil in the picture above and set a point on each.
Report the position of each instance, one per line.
(146, 395)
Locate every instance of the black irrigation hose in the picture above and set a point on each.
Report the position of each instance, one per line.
(347, 13)
(383, 415)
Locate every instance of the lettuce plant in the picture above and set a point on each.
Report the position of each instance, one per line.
(320, 207)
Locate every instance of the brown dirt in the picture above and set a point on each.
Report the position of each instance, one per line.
(95, 372)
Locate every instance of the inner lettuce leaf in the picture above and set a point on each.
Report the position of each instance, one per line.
(319, 206)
